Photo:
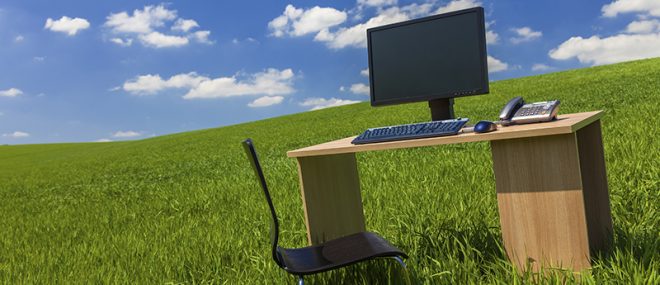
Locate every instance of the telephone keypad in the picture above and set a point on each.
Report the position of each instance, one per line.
(532, 110)
(536, 112)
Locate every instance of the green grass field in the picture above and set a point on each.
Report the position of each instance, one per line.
(186, 208)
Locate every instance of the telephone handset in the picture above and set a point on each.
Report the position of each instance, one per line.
(511, 107)
(517, 112)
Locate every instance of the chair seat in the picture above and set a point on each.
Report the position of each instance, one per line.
(337, 253)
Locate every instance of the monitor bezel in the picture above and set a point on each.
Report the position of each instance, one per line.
(484, 89)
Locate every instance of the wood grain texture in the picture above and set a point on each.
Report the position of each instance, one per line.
(330, 189)
(540, 199)
(565, 124)
(594, 182)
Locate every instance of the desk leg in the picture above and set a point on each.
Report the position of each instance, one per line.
(552, 197)
(594, 183)
(330, 189)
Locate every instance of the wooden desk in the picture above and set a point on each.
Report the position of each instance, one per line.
(550, 179)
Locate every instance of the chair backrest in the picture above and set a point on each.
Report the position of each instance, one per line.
(274, 226)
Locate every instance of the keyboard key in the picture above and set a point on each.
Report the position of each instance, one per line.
(411, 131)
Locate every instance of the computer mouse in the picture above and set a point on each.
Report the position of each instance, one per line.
(485, 127)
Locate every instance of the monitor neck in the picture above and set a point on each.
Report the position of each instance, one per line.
(442, 109)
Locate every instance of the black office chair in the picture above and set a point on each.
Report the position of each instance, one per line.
(330, 255)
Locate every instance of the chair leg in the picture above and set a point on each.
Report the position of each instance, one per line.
(400, 261)
(301, 281)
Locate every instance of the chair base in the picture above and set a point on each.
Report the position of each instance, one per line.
(400, 261)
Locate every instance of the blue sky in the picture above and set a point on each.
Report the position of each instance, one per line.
(82, 71)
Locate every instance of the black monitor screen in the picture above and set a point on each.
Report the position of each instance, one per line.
(442, 56)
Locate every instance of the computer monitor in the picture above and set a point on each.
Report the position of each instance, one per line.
(433, 59)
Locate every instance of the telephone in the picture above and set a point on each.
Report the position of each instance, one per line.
(517, 112)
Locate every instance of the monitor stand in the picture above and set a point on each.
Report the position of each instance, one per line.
(442, 109)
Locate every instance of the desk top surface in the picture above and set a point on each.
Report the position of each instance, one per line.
(564, 124)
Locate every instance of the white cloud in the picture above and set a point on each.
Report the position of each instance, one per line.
(458, 5)
(360, 88)
(650, 7)
(246, 40)
(279, 24)
(643, 27)
(16, 135)
(496, 65)
(376, 3)
(185, 80)
(149, 26)
(2, 114)
(145, 85)
(491, 37)
(324, 36)
(142, 21)
(67, 25)
(639, 40)
(19, 38)
(184, 25)
(11, 92)
(525, 34)
(202, 36)
(103, 140)
(322, 103)
(122, 42)
(597, 51)
(159, 40)
(38, 58)
(298, 22)
(269, 82)
(540, 67)
(266, 101)
(342, 88)
(365, 72)
(355, 36)
(126, 134)
(151, 84)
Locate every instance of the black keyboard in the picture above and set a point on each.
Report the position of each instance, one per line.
(411, 131)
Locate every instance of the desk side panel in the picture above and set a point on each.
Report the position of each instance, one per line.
(330, 188)
(539, 194)
(594, 180)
